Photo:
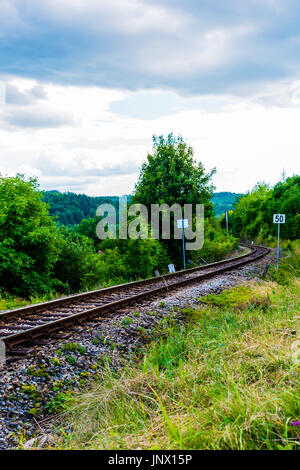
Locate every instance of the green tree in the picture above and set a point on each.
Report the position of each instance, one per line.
(28, 238)
(70, 208)
(253, 213)
(128, 260)
(77, 268)
(87, 227)
(172, 176)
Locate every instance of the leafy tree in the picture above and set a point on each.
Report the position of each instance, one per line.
(28, 238)
(132, 259)
(70, 208)
(77, 268)
(172, 175)
(87, 227)
(253, 212)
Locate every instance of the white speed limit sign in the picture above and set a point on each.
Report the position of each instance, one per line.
(278, 218)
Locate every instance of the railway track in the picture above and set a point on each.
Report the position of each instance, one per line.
(29, 324)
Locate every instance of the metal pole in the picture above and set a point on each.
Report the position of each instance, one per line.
(183, 248)
(278, 246)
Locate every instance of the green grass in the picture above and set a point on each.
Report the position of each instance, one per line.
(226, 379)
(9, 302)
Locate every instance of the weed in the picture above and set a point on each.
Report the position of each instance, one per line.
(126, 321)
(55, 361)
(73, 347)
(42, 372)
(71, 360)
(31, 391)
(58, 403)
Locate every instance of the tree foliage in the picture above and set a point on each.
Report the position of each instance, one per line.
(172, 175)
(224, 201)
(77, 268)
(70, 208)
(38, 257)
(253, 213)
(127, 260)
(28, 238)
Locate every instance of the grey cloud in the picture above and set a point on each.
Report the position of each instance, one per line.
(53, 167)
(37, 118)
(62, 183)
(192, 47)
(28, 97)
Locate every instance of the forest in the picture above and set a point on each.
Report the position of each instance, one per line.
(224, 201)
(48, 242)
(70, 208)
(252, 214)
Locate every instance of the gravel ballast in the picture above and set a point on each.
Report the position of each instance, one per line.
(32, 387)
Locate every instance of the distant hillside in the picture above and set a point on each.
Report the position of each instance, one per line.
(71, 208)
(224, 201)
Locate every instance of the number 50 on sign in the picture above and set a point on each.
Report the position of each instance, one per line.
(278, 218)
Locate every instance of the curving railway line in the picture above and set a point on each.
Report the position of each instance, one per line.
(27, 325)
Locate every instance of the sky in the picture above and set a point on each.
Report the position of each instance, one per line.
(84, 84)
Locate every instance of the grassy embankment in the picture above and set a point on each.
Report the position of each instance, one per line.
(9, 302)
(228, 379)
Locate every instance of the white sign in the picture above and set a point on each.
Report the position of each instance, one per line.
(278, 218)
(182, 223)
(171, 268)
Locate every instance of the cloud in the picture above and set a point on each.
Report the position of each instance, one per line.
(27, 97)
(27, 106)
(50, 165)
(122, 16)
(197, 54)
(189, 47)
(37, 118)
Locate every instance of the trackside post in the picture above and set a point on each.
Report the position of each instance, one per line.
(278, 219)
(183, 223)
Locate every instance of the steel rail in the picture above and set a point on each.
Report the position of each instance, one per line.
(32, 333)
(39, 307)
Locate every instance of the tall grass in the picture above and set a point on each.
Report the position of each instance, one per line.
(228, 379)
(8, 302)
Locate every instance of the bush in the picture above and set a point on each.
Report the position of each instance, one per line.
(28, 238)
(253, 213)
(128, 260)
(78, 266)
(217, 244)
(288, 268)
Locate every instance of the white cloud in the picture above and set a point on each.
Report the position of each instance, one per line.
(195, 53)
(15, 95)
(246, 140)
(126, 16)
